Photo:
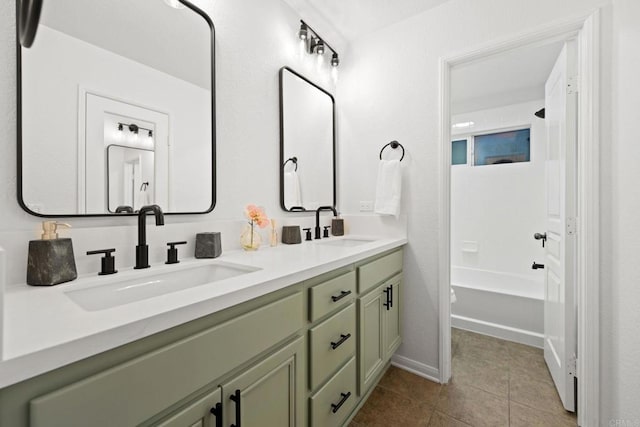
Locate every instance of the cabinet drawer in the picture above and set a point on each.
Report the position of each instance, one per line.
(331, 295)
(132, 392)
(331, 343)
(331, 405)
(376, 271)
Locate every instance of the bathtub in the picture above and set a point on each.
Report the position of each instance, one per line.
(499, 304)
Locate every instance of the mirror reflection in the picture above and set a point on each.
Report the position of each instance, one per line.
(307, 153)
(115, 94)
(130, 178)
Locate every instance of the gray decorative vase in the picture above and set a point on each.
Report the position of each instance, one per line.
(291, 235)
(337, 227)
(208, 245)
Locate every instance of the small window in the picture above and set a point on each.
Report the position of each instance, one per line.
(502, 147)
(459, 152)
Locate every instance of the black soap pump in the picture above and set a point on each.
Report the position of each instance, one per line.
(51, 259)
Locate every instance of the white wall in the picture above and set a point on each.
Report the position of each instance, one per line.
(620, 232)
(388, 89)
(500, 207)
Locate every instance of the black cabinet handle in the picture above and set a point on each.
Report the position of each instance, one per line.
(217, 412)
(391, 295)
(236, 399)
(388, 302)
(339, 297)
(336, 406)
(343, 338)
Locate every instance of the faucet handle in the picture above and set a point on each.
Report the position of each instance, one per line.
(326, 231)
(307, 234)
(108, 262)
(172, 252)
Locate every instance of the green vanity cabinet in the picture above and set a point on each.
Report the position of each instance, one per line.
(304, 355)
(271, 393)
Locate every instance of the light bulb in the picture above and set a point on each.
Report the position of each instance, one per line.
(303, 32)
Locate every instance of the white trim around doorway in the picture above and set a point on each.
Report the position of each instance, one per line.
(587, 28)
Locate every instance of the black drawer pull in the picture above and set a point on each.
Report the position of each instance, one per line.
(236, 398)
(336, 406)
(339, 297)
(343, 338)
(217, 412)
(388, 303)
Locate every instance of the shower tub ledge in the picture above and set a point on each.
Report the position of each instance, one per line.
(502, 305)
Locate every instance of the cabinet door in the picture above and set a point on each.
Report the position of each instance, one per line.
(271, 393)
(372, 349)
(392, 317)
(203, 412)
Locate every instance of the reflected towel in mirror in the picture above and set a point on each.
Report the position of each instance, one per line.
(389, 188)
(292, 189)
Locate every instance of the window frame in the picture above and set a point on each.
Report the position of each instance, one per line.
(470, 137)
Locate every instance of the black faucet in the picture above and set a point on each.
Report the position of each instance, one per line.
(142, 250)
(322, 208)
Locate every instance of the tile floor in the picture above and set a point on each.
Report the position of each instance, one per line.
(494, 383)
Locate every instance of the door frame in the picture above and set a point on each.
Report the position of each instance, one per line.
(587, 27)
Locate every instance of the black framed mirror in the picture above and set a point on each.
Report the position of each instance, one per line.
(307, 144)
(103, 73)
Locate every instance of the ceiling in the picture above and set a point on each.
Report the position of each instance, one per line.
(355, 18)
(508, 78)
(174, 41)
(351, 19)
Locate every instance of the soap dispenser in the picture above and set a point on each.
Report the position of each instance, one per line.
(51, 259)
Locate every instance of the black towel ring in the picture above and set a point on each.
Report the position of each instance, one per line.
(394, 145)
(292, 159)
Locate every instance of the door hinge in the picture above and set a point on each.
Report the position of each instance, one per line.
(571, 226)
(573, 84)
(572, 366)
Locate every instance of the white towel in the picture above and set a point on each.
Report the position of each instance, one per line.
(389, 188)
(292, 190)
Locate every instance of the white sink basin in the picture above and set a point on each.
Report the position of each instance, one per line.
(346, 242)
(102, 294)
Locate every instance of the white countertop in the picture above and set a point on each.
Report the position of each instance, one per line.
(44, 329)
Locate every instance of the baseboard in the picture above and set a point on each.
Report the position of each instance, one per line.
(415, 367)
(499, 331)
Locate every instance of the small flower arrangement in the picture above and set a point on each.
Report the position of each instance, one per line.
(250, 239)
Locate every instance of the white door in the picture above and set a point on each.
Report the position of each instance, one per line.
(560, 318)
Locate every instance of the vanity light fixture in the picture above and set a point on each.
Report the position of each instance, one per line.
(315, 43)
(134, 128)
